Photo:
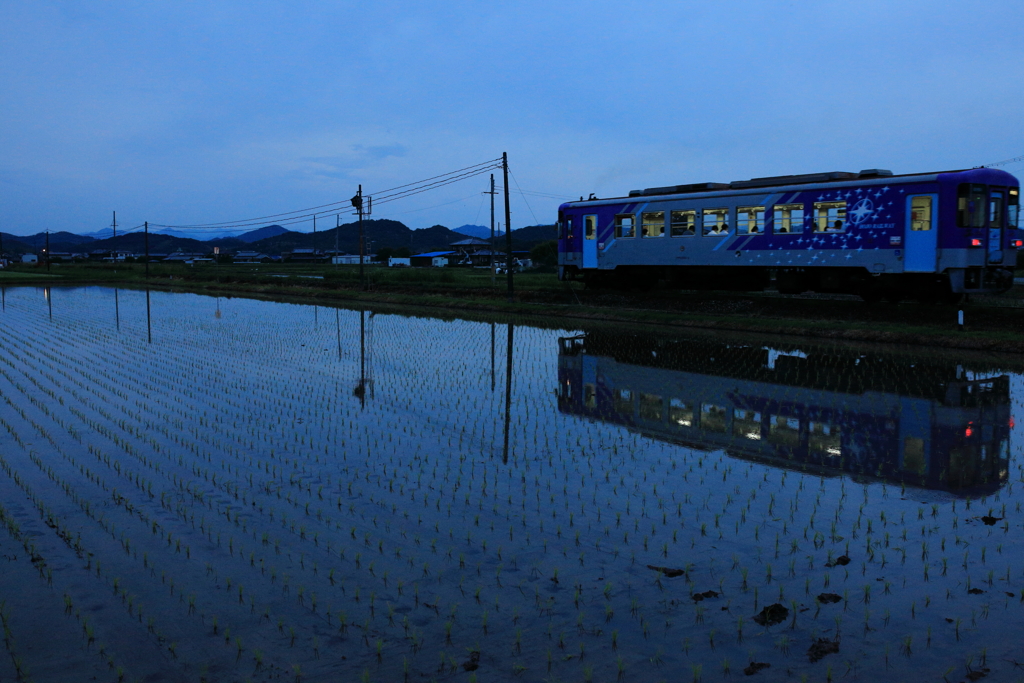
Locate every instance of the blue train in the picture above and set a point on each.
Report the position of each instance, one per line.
(931, 235)
(930, 424)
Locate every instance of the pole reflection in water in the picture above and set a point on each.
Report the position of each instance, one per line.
(216, 313)
(508, 390)
(337, 327)
(149, 321)
(492, 356)
(117, 311)
(3, 296)
(47, 292)
(365, 380)
(872, 416)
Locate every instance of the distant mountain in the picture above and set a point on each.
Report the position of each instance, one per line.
(64, 238)
(274, 239)
(261, 233)
(99, 234)
(479, 231)
(532, 235)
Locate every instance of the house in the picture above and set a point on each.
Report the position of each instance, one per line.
(303, 256)
(351, 259)
(398, 262)
(251, 257)
(29, 258)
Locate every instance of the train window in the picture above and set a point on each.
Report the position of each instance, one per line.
(590, 227)
(716, 221)
(683, 223)
(651, 406)
(1012, 208)
(652, 224)
(750, 220)
(824, 439)
(589, 396)
(829, 216)
(784, 431)
(788, 218)
(970, 205)
(624, 401)
(995, 210)
(568, 227)
(680, 412)
(746, 423)
(921, 213)
(712, 417)
(624, 226)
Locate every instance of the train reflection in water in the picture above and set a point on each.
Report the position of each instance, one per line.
(929, 424)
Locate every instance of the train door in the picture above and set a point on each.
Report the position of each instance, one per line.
(996, 208)
(590, 241)
(922, 231)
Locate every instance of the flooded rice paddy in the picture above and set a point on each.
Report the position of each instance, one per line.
(201, 489)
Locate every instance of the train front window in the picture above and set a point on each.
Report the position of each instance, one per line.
(683, 223)
(590, 227)
(716, 221)
(652, 224)
(788, 218)
(970, 205)
(1012, 208)
(750, 220)
(995, 210)
(624, 226)
(829, 216)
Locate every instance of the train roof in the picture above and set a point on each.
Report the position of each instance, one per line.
(806, 181)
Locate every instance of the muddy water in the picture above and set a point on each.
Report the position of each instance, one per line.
(222, 489)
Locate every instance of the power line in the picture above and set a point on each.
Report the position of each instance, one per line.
(535, 221)
(391, 194)
(1005, 162)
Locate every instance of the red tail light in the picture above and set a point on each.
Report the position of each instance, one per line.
(975, 242)
(1018, 243)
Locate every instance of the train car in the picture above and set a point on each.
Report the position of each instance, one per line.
(931, 425)
(931, 235)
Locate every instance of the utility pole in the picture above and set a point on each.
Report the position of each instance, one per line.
(492, 193)
(47, 251)
(508, 227)
(114, 224)
(357, 202)
(337, 229)
(314, 238)
(364, 210)
(147, 248)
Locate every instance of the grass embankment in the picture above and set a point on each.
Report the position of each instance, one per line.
(993, 322)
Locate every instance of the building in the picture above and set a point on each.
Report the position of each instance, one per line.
(251, 257)
(434, 259)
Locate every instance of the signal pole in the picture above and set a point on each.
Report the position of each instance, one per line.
(508, 227)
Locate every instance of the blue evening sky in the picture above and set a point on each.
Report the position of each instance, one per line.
(181, 113)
